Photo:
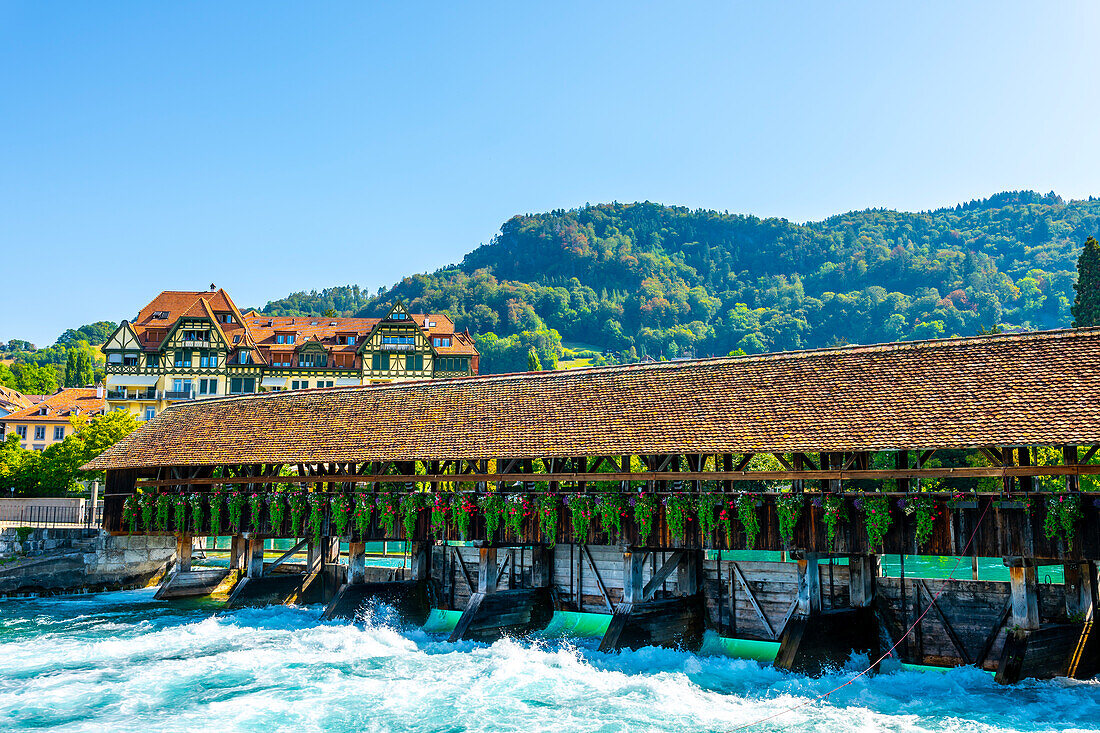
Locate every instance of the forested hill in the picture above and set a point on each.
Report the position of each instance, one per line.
(637, 279)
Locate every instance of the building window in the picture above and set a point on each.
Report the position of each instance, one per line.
(59, 432)
(400, 340)
(152, 360)
(160, 315)
(196, 335)
(183, 358)
(312, 359)
(244, 357)
(379, 362)
(414, 362)
(208, 386)
(348, 340)
(296, 384)
(452, 364)
(398, 316)
(441, 341)
(284, 338)
(242, 385)
(130, 360)
(183, 386)
(321, 384)
(225, 317)
(39, 432)
(21, 431)
(207, 359)
(150, 413)
(114, 358)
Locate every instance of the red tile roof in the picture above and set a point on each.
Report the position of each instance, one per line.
(1020, 389)
(62, 406)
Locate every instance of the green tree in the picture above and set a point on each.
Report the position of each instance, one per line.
(35, 379)
(8, 378)
(533, 363)
(1086, 306)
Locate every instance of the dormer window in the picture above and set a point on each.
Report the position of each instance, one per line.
(237, 339)
(160, 315)
(399, 316)
(225, 318)
(284, 338)
(441, 341)
(244, 357)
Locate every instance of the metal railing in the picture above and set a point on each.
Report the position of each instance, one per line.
(398, 347)
(137, 394)
(52, 516)
(185, 395)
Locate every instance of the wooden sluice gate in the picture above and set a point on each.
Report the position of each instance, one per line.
(636, 491)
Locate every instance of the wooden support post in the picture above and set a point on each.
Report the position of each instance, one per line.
(1025, 596)
(1080, 590)
(688, 571)
(315, 556)
(633, 587)
(1069, 457)
(487, 571)
(862, 571)
(809, 585)
(255, 567)
(357, 562)
(237, 549)
(421, 559)
(183, 553)
(542, 566)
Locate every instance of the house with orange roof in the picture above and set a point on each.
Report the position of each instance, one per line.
(13, 401)
(51, 420)
(187, 345)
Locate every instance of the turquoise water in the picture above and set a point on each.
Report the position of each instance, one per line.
(121, 661)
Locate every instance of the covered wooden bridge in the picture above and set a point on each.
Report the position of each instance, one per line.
(611, 488)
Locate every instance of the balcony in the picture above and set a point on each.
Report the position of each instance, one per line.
(194, 344)
(186, 395)
(131, 394)
(397, 347)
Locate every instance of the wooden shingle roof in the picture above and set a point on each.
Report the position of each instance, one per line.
(1020, 389)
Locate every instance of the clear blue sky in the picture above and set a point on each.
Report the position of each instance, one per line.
(274, 146)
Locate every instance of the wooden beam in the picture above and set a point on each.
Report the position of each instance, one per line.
(599, 580)
(288, 554)
(756, 604)
(465, 573)
(662, 574)
(987, 645)
(954, 637)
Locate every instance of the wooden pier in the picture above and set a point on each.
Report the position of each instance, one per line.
(627, 490)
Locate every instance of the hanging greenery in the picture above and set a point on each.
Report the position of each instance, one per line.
(148, 504)
(276, 512)
(463, 508)
(130, 513)
(1063, 513)
(340, 508)
(317, 505)
(179, 512)
(164, 508)
(612, 507)
(236, 502)
(517, 507)
(705, 506)
(750, 522)
(923, 508)
(547, 507)
(255, 510)
(217, 501)
(492, 506)
(441, 507)
(789, 509)
(678, 508)
(582, 508)
(411, 504)
(876, 516)
(196, 501)
(389, 507)
(835, 511)
(364, 505)
(726, 512)
(645, 511)
(298, 506)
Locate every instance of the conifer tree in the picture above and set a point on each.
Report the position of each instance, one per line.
(70, 368)
(1086, 306)
(533, 363)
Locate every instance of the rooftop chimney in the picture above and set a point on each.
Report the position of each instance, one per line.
(99, 391)
(211, 287)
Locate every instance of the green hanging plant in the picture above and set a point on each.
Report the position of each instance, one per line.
(179, 512)
(750, 522)
(276, 512)
(411, 504)
(645, 511)
(389, 509)
(923, 508)
(298, 505)
(364, 505)
(164, 508)
(517, 508)
(789, 509)
(340, 509)
(130, 512)
(441, 508)
(236, 502)
(876, 516)
(217, 501)
(463, 508)
(196, 501)
(726, 513)
(492, 506)
(612, 508)
(148, 505)
(835, 511)
(255, 510)
(1063, 514)
(705, 510)
(547, 507)
(582, 509)
(677, 514)
(317, 504)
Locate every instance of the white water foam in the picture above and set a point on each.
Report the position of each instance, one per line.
(121, 661)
